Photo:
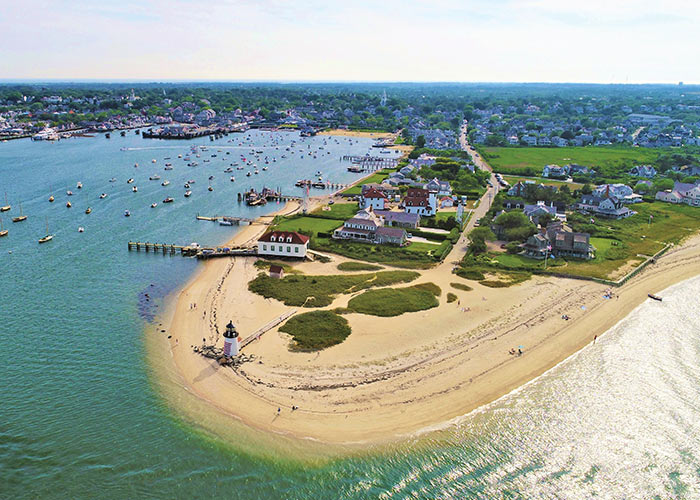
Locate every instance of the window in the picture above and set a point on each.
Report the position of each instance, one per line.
(289, 249)
(264, 247)
(289, 239)
(272, 238)
(296, 249)
(272, 248)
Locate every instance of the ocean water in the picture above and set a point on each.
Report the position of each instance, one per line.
(81, 417)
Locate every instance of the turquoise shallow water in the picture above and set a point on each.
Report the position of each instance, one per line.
(80, 418)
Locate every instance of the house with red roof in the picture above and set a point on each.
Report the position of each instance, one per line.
(283, 244)
(373, 199)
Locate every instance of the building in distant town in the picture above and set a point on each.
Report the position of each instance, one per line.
(681, 193)
(646, 171)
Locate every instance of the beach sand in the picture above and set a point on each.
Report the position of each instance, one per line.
(392, 377)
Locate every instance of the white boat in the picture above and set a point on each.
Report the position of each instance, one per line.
(154, 178)
(188, 194)
(81, 229)
(225, 223)
(135, 189)
(127, 213)
(103, 196)
(3, 232)
(154, 205)
(233, 179)
(48, 236)
(113, 179)
(130, 180)
(165, 183)
(79, 185)
(69, 193)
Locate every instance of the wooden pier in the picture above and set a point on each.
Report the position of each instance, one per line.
(371, 163)
(257, 334)
(192, 251)
(163, 248)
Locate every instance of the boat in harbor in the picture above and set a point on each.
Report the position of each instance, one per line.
(48, 236)
(134, 189)
(79, 185)
(224, 222)
(233, 179)
(51, 199)
(127, 213)
(103, 196)
(21, 217)
(69, 193)
(88, 210)
(165, 183)
(3, 231)
(130, 180)
(113, 179)
(154, 178)
(154, 205)
(68, 204)
(210, 189)
(188, 194)
(81, 229)
(168, 200)
(7, 206)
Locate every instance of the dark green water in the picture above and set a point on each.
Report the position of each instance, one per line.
(81, 417)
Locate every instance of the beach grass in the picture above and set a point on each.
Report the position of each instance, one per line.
(461, 286)
(319, 291)
(316, 330)
(357, 266)
(387, 302)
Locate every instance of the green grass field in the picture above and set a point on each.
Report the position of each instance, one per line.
(319, 291)
(395, 301)
(504, 158)
(308, 225)
(316, 330)
(340, 211)
(357, 266)
(514, 179)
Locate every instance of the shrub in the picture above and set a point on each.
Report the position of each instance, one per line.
(461, 286)
(513, 247)
(357, 266)
(470, 274)
(316, 330)
(431, 287)
(393, 301)
(451, 297)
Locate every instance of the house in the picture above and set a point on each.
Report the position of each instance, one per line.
(423, 160)
(554, 171)
(609, 206)
(682, 193)
(560, 241)
(283, 244)
(512, 204)
(530, 140)
(559, 142)
(442, 188)
(534, 212)
(276, 271)
(517, 190)
(407, 170)
(374, 199)
(622, 192)
(420, 201)
(368, 226)
(387, 189)
(399, 219)
(643, 171)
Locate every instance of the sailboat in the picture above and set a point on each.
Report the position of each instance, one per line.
(3, 232)
(21, 217)
(48, 236)
(7, 206)
(88, 210)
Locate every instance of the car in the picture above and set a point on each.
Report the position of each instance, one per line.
(409, 235)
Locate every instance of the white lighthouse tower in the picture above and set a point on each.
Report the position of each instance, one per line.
(230, 340)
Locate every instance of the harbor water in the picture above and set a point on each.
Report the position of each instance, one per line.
(81, 416)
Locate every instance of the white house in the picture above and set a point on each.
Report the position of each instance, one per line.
(420, 201)
(373, 199)
(283, 244)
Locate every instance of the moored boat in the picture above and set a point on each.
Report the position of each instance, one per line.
(48, 236)
(7, 206)
(168, 200)
(21, 216)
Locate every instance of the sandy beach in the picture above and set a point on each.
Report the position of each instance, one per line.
(392, 377)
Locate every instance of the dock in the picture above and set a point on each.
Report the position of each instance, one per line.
(192, 251)
(258, 333)
(370, 163)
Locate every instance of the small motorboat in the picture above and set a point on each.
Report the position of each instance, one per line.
(153, 160)
(168, 168)
(264, 168)
(211, 177)
(134, 189)
(168, 200)
(248, 174)
(165, 183)
(127, 213)
(81, 229)
(187, 185)
(154, 178)
(225, 222)
(256, 172)
(210, 188)
(191, 181)
(103, 196)
(79, 185)
(233, 179)
(136, 165)
(69, 204)
(228, 170)
(88, 210)
(69, 193)
(188, 194)
(130, 180)
(51, 198)
(154, 205)
(113, 179)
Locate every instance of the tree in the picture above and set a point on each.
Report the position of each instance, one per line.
(420, 141)
(477, 239)
(586, 189)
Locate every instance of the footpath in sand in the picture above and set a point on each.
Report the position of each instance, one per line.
(393, 376)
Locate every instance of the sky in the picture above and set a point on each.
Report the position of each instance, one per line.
(596, 41)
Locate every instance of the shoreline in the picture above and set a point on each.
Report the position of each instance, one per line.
(393, 379)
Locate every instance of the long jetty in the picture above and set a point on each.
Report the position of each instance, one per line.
(258, 333)
(191, 251)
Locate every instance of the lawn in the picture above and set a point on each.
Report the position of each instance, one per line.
(316, 330)
(308, 225)
(514, 179)
(375, 178)
(339, 211)
(417, 255)
(319, 291)
(505, 158)
(395, 301)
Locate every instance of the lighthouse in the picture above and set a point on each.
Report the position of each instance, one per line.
(230, 340)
